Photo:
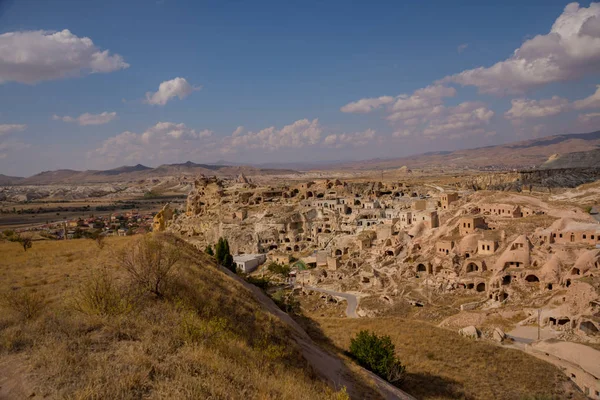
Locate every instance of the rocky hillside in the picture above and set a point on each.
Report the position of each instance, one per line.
(9, 180)
(519, 155)
(536, 180)
(101, 333)
(584, 159)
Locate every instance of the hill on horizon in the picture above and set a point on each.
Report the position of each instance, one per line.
(530, 153)
(139, 172)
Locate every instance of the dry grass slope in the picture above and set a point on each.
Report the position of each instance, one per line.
(72, 326)
(443, 365)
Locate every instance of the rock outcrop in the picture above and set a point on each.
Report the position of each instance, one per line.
(470, 332)
(162, 218)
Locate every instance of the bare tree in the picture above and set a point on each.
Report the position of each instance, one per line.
(100, 241)
(26, 242)
(150, 263)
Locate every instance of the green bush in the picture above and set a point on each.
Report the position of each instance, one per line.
(262, 283)
(377, 353)
(275, 268)
(287, 302)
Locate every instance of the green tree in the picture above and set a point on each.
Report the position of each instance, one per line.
(223, 255)
(377, 353)
(209, 250)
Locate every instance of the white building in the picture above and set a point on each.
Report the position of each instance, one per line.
(249, 262)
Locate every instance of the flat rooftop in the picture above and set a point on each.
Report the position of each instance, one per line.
(247, 257)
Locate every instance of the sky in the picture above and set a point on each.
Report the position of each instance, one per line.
(100, 84)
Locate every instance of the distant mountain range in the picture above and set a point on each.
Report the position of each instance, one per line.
(137, 172)
(521, 155)
(559, 151)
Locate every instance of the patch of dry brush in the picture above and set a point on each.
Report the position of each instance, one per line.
(81, 323)
(443, 365)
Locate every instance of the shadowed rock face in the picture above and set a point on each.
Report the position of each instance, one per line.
(538, 180)
(582, 159)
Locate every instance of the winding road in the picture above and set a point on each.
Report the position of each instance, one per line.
(351, 299)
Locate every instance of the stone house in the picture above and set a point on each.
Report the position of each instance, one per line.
(405, 218)
(429, 218)
(585, 236)
(487, 246)
(333, 263)
(447, 199)
(502, 210)
(468, 225)
(444, 247)
(248, 262)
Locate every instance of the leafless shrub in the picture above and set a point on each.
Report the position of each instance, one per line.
(27, 304)
(150, 263)
(100, 241)
(25, 241)
(101, 295)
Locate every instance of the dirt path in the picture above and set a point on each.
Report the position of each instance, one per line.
(441, 189)
(327, 365)
(554, 211)
(351, 300)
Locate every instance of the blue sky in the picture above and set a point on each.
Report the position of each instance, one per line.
(291, 75)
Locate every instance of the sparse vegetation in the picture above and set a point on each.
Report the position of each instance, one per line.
(26, 303)
(150, 263)
(100, 241)
(286, 301)
(283, 270)
(443, 365)
(26, 242)
(68, 322)
(102, 295)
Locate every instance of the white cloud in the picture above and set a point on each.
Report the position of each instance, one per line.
(590, 117)
(425, 102)
(366, 105)
(525, 108)
(423, 98)
(9, 128)
(592, 101)
(462, 47)
(424, 112)
(34, 56)
(89, 119)
(169, 89)
(569, 51)
(403, 133)
(156, 142)
(296, 135)
(465, 119)
(238, 131)
(357, 139)
(175, 131)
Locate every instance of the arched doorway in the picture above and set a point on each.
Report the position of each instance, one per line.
(472, 267)
(532, 278)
